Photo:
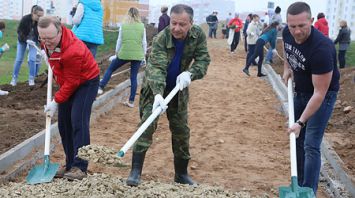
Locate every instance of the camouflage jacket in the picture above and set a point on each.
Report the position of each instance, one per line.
(163, 51)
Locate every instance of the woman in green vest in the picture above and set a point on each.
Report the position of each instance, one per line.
(131, 47)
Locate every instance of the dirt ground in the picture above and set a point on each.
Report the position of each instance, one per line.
(233, 143)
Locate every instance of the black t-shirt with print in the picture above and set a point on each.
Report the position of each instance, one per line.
(317, 55)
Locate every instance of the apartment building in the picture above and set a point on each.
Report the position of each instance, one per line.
(202, 8)
(340, 10)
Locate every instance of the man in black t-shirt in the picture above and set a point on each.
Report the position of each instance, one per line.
(311, 58)
(212, 22)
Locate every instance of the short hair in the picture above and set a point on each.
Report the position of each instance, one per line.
(277, 10)
(36, 8)
(343, 23)
(320, 15)
(298, 8)
(45, 21)
(2, 25)
(164, 9)
(180, 8)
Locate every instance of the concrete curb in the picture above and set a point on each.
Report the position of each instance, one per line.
(18, 159)
(328, 152)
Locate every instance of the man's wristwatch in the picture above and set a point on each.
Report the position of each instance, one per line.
(300, 123)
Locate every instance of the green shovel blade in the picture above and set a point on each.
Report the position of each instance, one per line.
(295, 191)
(42, 173)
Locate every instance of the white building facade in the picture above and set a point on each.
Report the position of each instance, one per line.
(338, 10)
(202, 8)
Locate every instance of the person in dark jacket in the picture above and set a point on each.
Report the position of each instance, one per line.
(343, 39)
(164, 19)
(322, 24)
(212, 22)
(27, 30)
(77, 74)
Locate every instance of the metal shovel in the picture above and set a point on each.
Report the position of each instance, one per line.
(294, 190)
(46, 171)
(146, 124)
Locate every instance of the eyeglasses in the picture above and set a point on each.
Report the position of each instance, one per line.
(48, 39)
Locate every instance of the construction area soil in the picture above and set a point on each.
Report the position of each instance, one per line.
(238, 139)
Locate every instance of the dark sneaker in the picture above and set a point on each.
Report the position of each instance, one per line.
(261, 75)
(246, 72)
(75, 173)
(60, 173)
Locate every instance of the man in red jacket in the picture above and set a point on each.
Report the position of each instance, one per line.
(322, 24)
(77, 74)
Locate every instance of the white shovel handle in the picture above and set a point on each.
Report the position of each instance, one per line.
(47, 141)
(146, 124)
(291, 121)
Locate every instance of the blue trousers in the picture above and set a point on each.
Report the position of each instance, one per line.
(258, 52)
(74, 122)
(341, 58)
(309, 141)
(92, 47)
(117, 63)
(20, 53)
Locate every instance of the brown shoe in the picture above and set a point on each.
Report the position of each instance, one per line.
(75, 173)
(61, 171)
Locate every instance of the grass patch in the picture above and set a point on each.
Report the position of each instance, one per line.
(350, 55)
(8, 58)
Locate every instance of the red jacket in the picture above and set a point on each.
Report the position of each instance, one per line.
(322, 25)
(236, 22)
(72, 66)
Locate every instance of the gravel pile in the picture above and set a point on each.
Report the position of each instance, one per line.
(103, 185)
(100, 154)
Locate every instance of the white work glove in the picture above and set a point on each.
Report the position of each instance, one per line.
(5, 47)
(51, 108)
(252, 33)
(112, 58)
(3, 93)
(159, 102)
(184, 80)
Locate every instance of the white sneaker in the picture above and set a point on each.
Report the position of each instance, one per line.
(129, 104)
(13, 82)
(100, 91)
(3, 93)
(31, 82)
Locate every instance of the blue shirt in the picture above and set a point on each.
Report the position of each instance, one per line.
(317, 55)
(174, 67)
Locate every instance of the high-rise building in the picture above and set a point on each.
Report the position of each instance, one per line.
(202, 8)
(338, 10)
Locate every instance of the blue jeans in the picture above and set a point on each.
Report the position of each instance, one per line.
(117, 63)
(212, 32)
(269, 55)
(310, 139)
(341, 58)
(21, 49)
(92, 47)
(74, 122)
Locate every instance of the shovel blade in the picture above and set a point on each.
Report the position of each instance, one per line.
(295, 191)
(42, 173)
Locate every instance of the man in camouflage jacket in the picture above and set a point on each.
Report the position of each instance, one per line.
(179, 55)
